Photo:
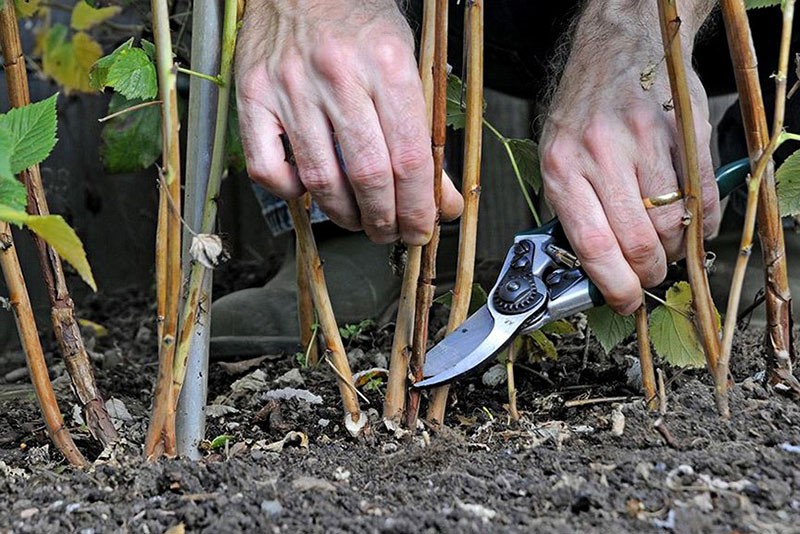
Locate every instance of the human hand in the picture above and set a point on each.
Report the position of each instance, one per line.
(308, 68)
(608, 143)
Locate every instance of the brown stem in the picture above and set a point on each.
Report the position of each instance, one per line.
(161, 432)
(764, 162)
(779, 342)
(29, 336)
(327, 321)
(65, 326)
(425, 287)
(305, 304)
(513, 349)
(404, 326)
(471, 188)
(646, 359)
(705, 312)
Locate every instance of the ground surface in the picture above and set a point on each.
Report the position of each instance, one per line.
(561, 469)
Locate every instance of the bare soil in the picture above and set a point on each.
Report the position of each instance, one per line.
(561, 469)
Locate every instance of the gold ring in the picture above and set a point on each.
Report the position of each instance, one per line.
(662, 200)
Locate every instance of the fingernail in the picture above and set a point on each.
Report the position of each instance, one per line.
(417, 238)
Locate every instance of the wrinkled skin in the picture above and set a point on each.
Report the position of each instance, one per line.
(308, 68)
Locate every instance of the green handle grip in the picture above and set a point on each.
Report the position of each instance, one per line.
(729, 178)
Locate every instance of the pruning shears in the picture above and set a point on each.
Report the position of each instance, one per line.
(541, 281)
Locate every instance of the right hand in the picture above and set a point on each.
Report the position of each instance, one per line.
(607, 144)
(309, 68)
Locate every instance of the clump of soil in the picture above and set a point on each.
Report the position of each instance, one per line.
(288, 463)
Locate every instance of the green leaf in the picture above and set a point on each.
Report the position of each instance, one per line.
(752, 4)
(456, 112)
(6, 147)
(788, 182)
(561, 327)
(132, 141)
(609, 327)
(98, 74)
(220, 441)
(526, 156)
(672, 329)
(540, 347)
(456, 115)
(85, 16)
(12, 192)
(127, 70)
(33, 130)
(149, 49)
(58, 234)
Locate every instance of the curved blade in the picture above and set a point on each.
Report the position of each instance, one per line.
(459, 343)
(476, 341)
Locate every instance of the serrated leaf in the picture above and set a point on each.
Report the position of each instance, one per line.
(12, 191)
(753, 4)
(85, 16)
(788, 183)
(456, 112)
(133, 75)
(68, 60)
(33, 131)
(132, 141)
(6, 147)
(27, 8)
(149, 49)
(98, 73)
(58, 234)
(526, 156)
(609, 327)
(672, 329)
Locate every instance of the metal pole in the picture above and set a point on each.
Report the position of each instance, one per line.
(206, 45)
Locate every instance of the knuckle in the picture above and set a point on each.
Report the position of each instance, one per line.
(390, 52)
(316, 179)
(597, 136)
(594, 245)
(641, 250)
(417, 219)
(411, 161)
(556, 158)
(332, 59)
(369, 173)
(289, 71)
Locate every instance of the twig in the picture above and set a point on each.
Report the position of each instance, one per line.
(305, 305)
(779, 346)
(127, 110)
(29, 336)
(662, 429)
(646, 359)
(327, 321)
(213, 79)
(161, 431)
(425, 287)
(343, 379)
(396, 383)
(599, 400)
(764, 161)
(705, 313)
(471, 188)
(662, 393)
(511, 358)
(65, 326)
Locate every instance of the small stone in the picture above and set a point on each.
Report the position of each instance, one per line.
(271, 508)
(617, 422)
(27, 513)
(341, 474)
(324, 422)
(312, 484)
(72, 507)
(379, 359)
(356, 357)
(291, 379)
(16, 374)
(389, 448)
